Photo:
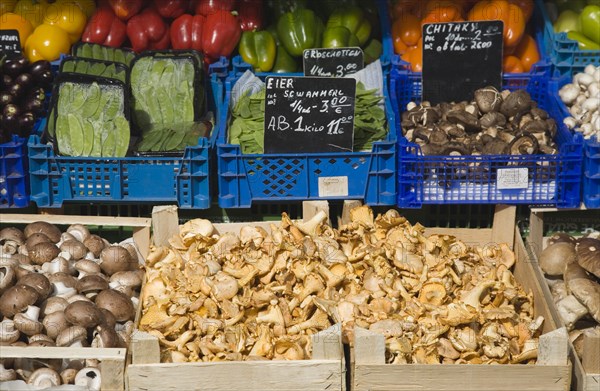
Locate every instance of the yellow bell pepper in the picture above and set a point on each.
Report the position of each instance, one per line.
(67, 16)
(31, 10)
(87, 6)
(47, 42)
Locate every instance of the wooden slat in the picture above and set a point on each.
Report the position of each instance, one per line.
(165, 224)
(347, 207)
(471, 237)
(369, 347)
(504, 217)
(591, 352)
(308, 375)
(71, 219)
(51, 352)
(462, 378)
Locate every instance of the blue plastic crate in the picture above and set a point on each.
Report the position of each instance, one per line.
(564, 53)
(184, 180)
(14, 185)
(244, 179)
(554, 180)
(591, 150)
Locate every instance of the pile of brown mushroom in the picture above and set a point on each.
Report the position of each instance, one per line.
(572, 269)
(493, 123)
(66, 289)
(258, 295)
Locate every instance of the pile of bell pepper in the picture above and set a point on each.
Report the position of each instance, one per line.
(213, 27)
(46, 29)
(580, 19)
(294, 26)
(520, 48)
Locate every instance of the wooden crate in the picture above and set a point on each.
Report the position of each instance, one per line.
(370, 372)
(326, 370)
(112, 360)
(586, 372)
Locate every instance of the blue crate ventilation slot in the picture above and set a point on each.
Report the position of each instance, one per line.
(244, 179)
(554, 180)
(591, 174)
(56, 179)
(14, 184)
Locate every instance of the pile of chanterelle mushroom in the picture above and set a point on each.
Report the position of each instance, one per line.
(65, 289)
(572, 269)
(260, 295)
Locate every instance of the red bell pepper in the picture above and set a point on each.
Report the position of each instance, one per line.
(105, 28)
(208, 7)
(250, 14)
(186, 32)
(148, 31)
(220, 35)
(125, 9)
(171, 8)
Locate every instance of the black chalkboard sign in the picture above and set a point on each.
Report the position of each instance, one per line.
(459, 58)
(337, 62)
(309, 114)
(10, 45)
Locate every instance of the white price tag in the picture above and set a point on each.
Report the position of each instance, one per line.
(333, 186)
(512, 178)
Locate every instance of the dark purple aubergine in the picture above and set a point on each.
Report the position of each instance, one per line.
(5, 81)
(39, 67)
(25, 80)
(10, 123)
(33, 105)
(17, 90)
(6, 98)
(44, 79)
(11, 109)
(26, 123)
(15, 67)
(37, 93)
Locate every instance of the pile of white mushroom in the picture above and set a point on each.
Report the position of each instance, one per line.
(582, 97)
(572, 269)
(260, 295)
(65, 289)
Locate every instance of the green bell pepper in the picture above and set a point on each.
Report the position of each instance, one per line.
(299, 30)
(284, 63)
(372, 51)
(258, 49)
(280, 7)
(339, 37)
(590, 22)
(593, 2)
(351, 18)
(567, 21)
(584, 42)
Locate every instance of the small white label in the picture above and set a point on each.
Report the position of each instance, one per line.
(333, 186)
(512, 178)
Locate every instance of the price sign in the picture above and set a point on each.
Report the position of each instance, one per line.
(333, 62)
(459, 58)
(10, 45)
(309, 114)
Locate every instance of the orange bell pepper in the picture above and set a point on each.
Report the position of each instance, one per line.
(510, 14)
(512, 64)
(527, 52)
(442, 14)
(526, 6)
(11, 21)
(408, 28)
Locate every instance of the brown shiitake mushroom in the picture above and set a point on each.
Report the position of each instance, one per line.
(556, 257)
(588, 255)
(43, 252)
(493, 118)
(116, 302)
(50, 230)
(95, 244)
(488, 99)
(495, 146)
(84, 314)
(469, 121)
(39, 282)
(559, 237)
(16, 299)
(524, 144)
(116, 259)
(517, 102)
